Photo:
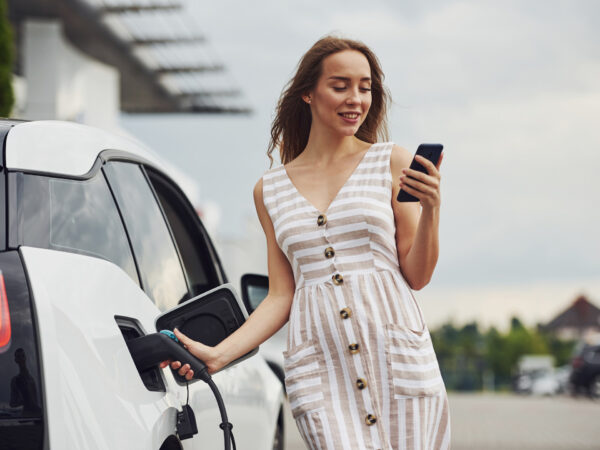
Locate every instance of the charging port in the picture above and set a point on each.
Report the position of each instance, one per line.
(131, 329)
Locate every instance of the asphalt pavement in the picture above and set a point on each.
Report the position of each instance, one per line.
(486, 421)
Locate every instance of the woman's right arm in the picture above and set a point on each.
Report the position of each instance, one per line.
(272, 313)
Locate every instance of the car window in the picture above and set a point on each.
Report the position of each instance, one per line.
(78, 216)
(158, 262)
(199, 259)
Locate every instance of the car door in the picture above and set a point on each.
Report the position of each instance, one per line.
(249, 389)
(87, 297)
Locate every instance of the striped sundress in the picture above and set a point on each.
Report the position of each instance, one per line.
(360, 368)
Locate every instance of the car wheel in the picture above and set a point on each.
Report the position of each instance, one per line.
(172, 443)
(595, 387)
(573, 389)
(279, 438)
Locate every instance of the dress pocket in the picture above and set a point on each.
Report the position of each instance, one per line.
(305, 378)
(411, 358)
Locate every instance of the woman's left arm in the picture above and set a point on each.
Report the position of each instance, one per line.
(417, 223)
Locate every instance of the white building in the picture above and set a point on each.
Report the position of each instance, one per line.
(88, 60)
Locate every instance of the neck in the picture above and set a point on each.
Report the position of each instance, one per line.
(323, 145)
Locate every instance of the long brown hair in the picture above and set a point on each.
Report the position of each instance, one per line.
(291, 126)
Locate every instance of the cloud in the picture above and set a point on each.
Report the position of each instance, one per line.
(494, 305)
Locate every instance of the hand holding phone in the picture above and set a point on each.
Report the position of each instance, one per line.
(431, 152)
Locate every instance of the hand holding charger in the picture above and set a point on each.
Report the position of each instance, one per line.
(208, 319)
(431, 152)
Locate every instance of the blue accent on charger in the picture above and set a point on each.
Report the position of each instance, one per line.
(170, 334)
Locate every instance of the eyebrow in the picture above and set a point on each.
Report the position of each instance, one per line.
(348, 79)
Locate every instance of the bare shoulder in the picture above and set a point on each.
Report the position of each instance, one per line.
(258, 199)
(258, 194)
(400, 158)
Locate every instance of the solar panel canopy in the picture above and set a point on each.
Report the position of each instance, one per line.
(166, 64)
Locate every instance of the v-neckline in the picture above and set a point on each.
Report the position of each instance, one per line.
(339, 190)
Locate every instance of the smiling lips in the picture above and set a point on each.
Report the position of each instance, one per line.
(351, 117)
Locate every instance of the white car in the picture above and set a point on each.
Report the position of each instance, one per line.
(96, 241)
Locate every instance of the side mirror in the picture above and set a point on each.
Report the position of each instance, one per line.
(254, 290)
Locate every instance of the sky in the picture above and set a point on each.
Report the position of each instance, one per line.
(512, 90)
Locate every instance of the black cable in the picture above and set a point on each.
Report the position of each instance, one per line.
(148, 350)
(225, 425)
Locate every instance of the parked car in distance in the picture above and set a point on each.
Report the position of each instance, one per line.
(585, 372)
(96, 241)
(562, 374)
(536, 375)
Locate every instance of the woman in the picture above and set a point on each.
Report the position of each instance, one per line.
(343, 256)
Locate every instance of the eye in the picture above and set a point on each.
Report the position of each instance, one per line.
(338, 88)
(365, 89)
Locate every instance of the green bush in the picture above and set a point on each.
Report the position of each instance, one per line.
(468, 356)
(7, 98)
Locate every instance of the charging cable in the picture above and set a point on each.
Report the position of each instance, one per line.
(225, 425)
(147, 351)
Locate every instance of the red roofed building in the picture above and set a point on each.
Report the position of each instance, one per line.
(579, 321)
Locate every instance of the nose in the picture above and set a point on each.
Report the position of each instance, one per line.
(353, 97)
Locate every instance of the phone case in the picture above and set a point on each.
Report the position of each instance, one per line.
(430, 151)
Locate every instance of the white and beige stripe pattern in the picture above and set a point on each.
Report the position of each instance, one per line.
(361, 372)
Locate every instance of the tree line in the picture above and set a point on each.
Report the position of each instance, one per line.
(470, 359)
(7, 97)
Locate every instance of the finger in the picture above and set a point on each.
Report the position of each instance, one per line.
(189, 375)
(424, 193)
(411, 191)
(430, 184)
(426, 189)
(429, 179)
(175, 365)
(429, 167)
(164, 364)
(183, 338)
(184, 369)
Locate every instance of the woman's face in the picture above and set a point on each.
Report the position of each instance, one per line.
(342, 96)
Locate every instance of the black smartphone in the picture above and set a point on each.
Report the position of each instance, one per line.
(430, 151)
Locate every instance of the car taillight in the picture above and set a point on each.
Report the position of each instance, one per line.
(577, 362)
(5, 332)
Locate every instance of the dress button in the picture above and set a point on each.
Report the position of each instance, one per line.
(353, 348)
(361, 383)
(337, 279)
(345, 313)
(329, 252)
(370, 419)
(322, 219)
